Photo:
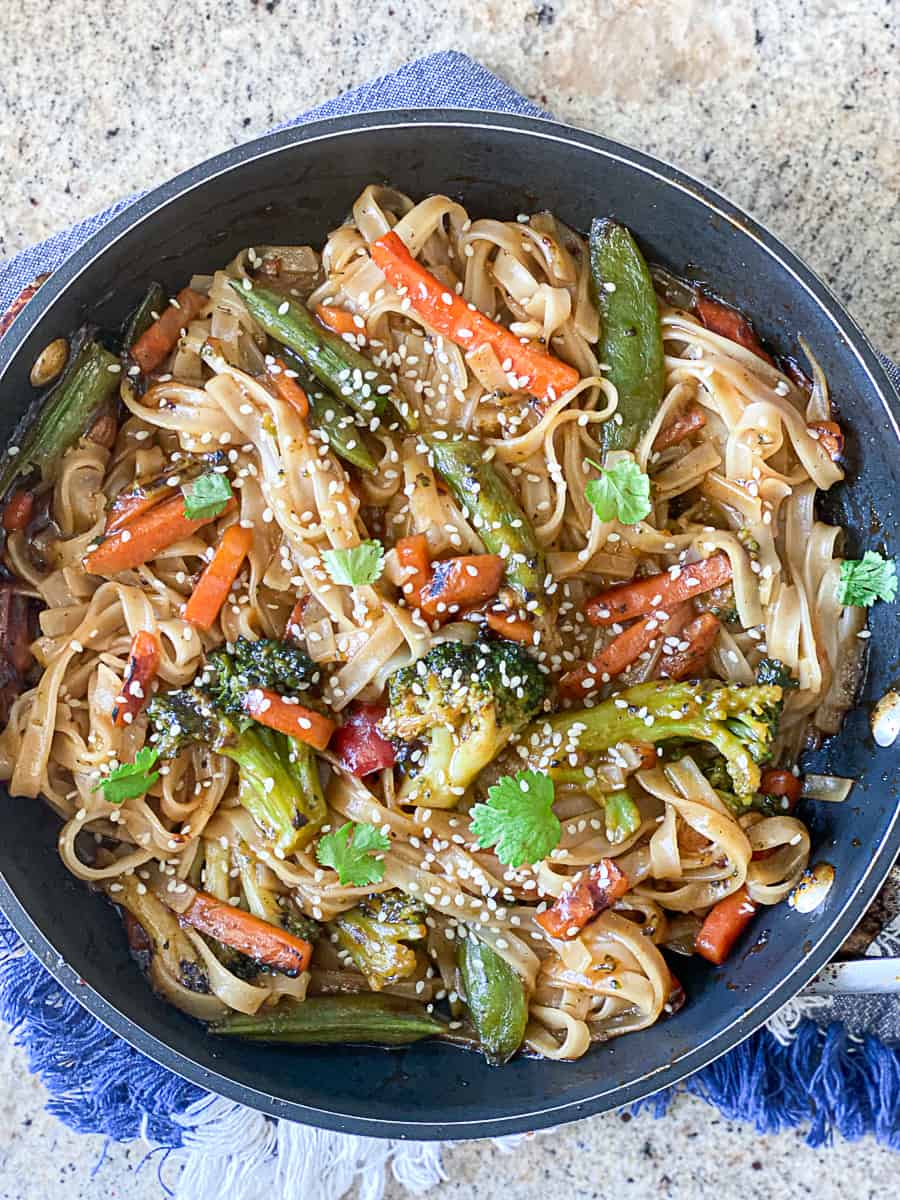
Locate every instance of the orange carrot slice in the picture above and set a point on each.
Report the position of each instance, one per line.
(242, 931)
(215, 583)
(145, 536)
(723, 926)
(274, 711)
(155, 345)
(662, 591)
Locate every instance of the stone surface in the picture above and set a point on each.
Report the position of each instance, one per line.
(790, 109)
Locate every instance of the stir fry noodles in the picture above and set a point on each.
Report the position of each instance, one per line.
(417, 635)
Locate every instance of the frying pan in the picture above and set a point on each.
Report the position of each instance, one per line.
(293, 187)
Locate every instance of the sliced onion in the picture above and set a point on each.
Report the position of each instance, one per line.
(814, 886)
(886, 719)
(818, 406)
(832, 788)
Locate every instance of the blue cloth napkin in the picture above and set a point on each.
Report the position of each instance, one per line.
(99, 1084)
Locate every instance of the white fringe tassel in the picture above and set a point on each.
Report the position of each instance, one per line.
(784, 1024)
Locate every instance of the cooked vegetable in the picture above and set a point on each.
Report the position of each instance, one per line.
(497, 516)
(145, 536)
(591, 893)
(528, 367)
(658, 592)
(412, 557)
(463, 702)
(729, 323)
(358, 743)
(339, 366)
(153, 304)
(258, 939)
(17, 511)
(158, 340)
(15, 640)
(288, 388)
(510, 626)
(612, 660)
(691, 421)
(375, 934)
(212, 588)
(66, 412)
(456, 584)
(690, 663)
(289, 717)
(779, 783)
(143, 664)
(338, 320)
(724, 924)
(621, 493)
(739, 721)
(352, 851)
(129, 780)
(865, 580)
(495, 996)
(325, 1020)
(518, 820)
(630, 332)
(206, 496)
(622, 816)
(356, 567)
(331, 417)
(830, 437)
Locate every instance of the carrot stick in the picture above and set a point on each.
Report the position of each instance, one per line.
(661, 591)
(138, 499)
(612, 660)
(242, 931)
(690, 663)
(449, 315)
(458, 583)
(289, 389)
(338, 320)
(508, 625)
(145, 536)
(594, 891)
(156, 343)
(723, 925)
(412, 555)
(17, 511)
(214, 584)
(142, 667)
(729, 323)
(690, 421)
(272, 710)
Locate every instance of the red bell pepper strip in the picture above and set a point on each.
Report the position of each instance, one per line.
(593, 891)
(358, 743)
(142, 667)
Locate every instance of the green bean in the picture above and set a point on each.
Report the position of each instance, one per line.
(366, 1017)
(334, 362)
(496, 514)
(154, 302)
(496, 998)
(631, 336)
(61, 416)
(331, 417)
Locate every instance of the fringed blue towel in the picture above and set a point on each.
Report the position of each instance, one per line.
(796, 1072)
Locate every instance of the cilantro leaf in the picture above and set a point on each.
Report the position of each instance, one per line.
(206, 496)
(128, 780)
(622, 493)
(352, 857)
(867, 579)
(363, 564)
(518, 819)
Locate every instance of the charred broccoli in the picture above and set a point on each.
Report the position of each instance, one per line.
(375, 935)
(463, 703)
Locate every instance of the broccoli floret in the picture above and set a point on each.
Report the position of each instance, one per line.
(773, 672)
(230, 674)
(375, 935)
(278, 778)
(463, 703)
(299, 924)
(740, 722)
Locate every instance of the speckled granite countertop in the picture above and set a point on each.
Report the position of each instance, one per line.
(791, 109)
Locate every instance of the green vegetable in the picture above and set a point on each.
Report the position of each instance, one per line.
(496, 998)
(150, 308)
(325, 1020)
(334, 362)
(360, 565)
(463, 703)
(630, 334)
(63, 415)
(867, 579)
(497, 515)
(206, 496)
(623, 817)
(128, 780)
(278, 781)
(331, 417)
(350, 850)
(376, 934)
(741, 722)
(622, 493)
(518, 819)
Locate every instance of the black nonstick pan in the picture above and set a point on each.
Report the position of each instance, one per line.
(293, 187)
